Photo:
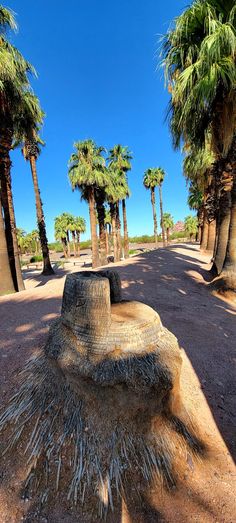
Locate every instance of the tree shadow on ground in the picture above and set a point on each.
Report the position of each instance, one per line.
(204, 324)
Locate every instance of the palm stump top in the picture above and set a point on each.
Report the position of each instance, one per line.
(102, 402)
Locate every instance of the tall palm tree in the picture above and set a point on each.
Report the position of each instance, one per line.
(86, 173)
(168, 223)
(120, 158)
(6, 281)
(200, 67)
(160, 174)
(27, 133)
(116, 189)
(14, 83)
(154, 177)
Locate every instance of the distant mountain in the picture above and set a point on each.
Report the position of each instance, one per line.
(178, 227)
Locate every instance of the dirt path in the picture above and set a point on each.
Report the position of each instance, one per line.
(174, 282)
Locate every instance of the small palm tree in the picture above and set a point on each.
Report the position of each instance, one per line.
(86, 173)
(168, 224)
(60, 232)
(77, 227)
(190, 225)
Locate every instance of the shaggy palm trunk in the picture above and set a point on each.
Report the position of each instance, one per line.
(64, 246)
(8, 208)
(223, 221)
(74, 243)
(68, 243)
(161, 215)
(211, 236)
(6, 281)
(47, 268)
(118, 228)
(78, 244)
(153, 202)
(102, 230)
(93, 228)
(113, 229)
(107, 241)
(229, 267)
(168, 235)
(125, 229)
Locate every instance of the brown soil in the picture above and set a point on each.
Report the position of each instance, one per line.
(174, 282)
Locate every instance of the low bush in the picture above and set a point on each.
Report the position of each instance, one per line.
(36, 258)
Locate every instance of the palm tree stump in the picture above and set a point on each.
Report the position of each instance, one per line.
(102, 402)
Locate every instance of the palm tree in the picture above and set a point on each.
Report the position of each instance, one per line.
(14, 84)
(35, 238)
(108, 232)
(32, 118)
(195, 202)
(86, 173)
(80, 227)
(120, 158)
(168, 223)
(116, 189)
(6, 281)
(200, 67)
(190, 224)
(60, 232)
(154, 177)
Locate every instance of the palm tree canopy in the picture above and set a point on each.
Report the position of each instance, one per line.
(61, 226)
(197, 162)
(87, 167)
(153, 177)
(79, 224)
(199, 58)
(120, 158)
(191, 224)
(168, 220)
(195, 197)
(116, 187)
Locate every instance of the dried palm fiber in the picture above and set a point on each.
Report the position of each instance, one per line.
(102, 400)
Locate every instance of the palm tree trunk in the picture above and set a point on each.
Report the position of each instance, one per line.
(229, 268)
(68, 243)
(161, 215)
(113, 228)
(168, 235)
(107, 242)
(118, 228)
(47, 268)
(6, 281)
(101, 224)
(223, 232)
(125, 228)
(78, 244)
(93, 228)
(8, 208)
(74, 244)
(211, 236)
(64, 246)
(153, 202)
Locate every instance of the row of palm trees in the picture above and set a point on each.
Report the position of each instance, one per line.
(102, 180)
(199, 59)
(28, 242)
(20, 120)
(67, 224)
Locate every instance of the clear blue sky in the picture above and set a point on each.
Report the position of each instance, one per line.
(97, 78)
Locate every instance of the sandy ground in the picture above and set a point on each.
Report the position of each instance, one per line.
(174, 281)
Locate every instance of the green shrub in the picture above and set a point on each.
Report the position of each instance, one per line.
(37, 258)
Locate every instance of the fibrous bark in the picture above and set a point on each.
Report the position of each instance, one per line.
(102, 401)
